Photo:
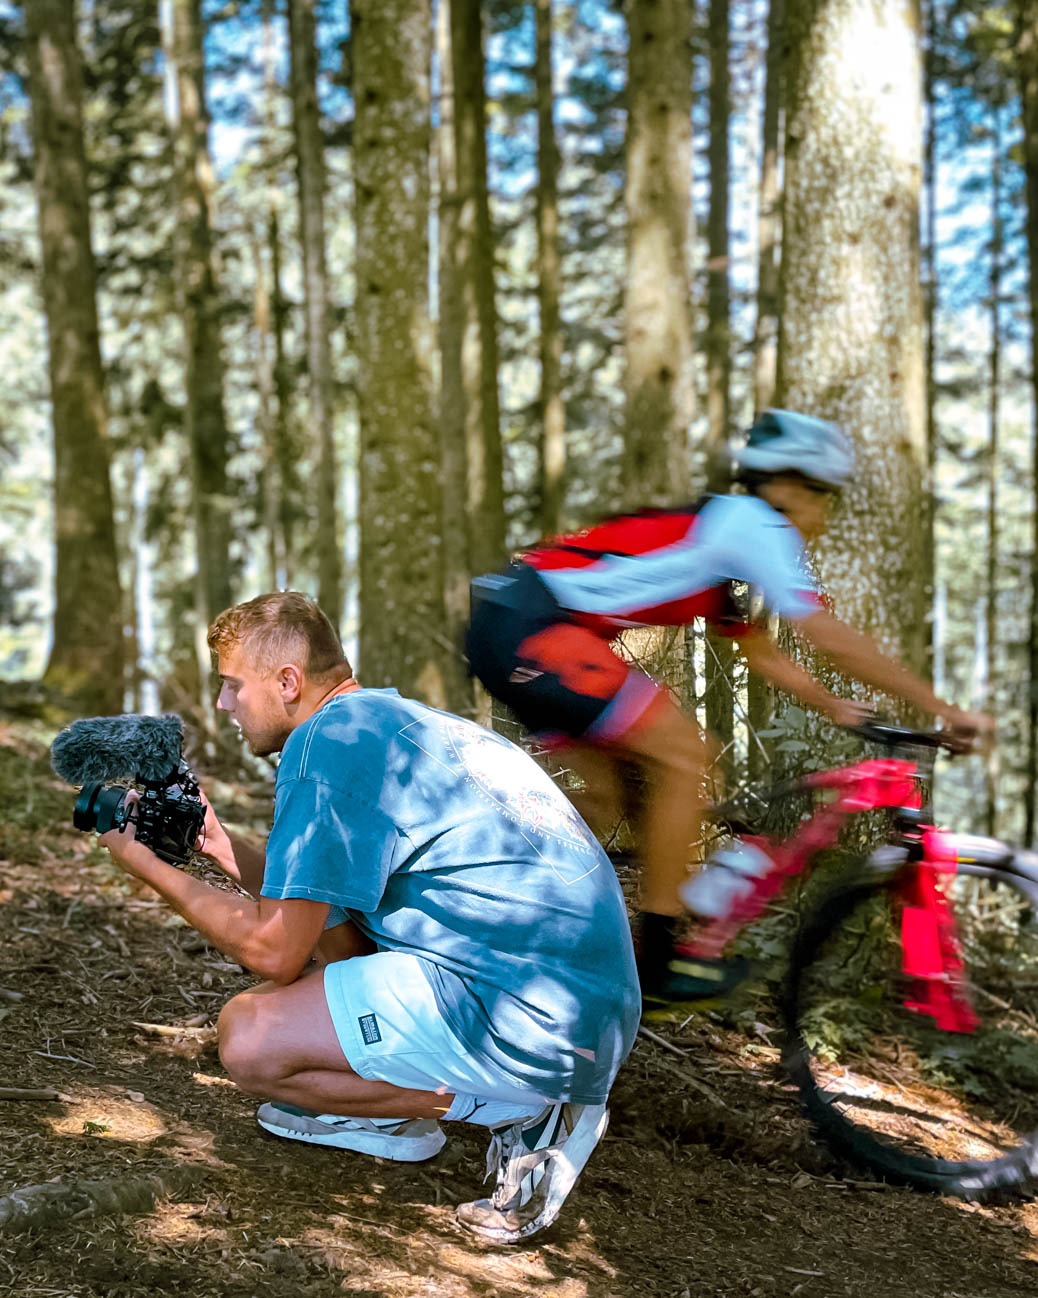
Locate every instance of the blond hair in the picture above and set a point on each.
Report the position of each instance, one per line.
(284, 626)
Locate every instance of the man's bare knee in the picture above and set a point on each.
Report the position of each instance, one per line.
(238, 1039)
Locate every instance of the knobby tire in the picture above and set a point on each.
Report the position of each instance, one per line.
(984, 1178)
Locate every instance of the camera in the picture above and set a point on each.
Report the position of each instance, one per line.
(112, 756)
(168, 815)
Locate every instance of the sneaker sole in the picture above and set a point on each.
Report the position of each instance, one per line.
(401, 1149)
(571, 1160)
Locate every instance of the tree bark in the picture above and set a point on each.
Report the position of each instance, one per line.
(402, 624)
(306, 121)
(457, 567)
(549, 286)
(768, 213)
(474, 268)
(991, 766)
(759, 695)
(1027, 72)
(87, 657)
(851, 332)
(204, 416)
(657, 196)
(720, 655)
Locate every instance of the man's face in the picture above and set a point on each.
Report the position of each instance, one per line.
(254, 703)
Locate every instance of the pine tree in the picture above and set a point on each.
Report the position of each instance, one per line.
(86, 660)
(402, 622)
(850, 343)
(657, 194)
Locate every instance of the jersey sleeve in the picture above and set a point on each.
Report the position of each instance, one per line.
(753, 543)
(328, 846)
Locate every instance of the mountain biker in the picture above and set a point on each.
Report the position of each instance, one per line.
(539, 640)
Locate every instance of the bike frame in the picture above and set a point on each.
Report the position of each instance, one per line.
(931, 953)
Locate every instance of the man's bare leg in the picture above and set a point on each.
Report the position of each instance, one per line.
(279, 1042)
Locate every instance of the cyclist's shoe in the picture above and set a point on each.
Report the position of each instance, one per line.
(405, 1140)
(694, 982)
(537, 1163)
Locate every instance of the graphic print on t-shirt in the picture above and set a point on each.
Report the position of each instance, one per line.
(504, 776)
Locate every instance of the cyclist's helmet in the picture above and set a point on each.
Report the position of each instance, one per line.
(783, 441)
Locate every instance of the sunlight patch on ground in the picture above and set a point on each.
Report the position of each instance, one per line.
(109, 1116)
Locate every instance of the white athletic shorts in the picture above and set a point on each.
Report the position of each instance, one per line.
(391, 1029)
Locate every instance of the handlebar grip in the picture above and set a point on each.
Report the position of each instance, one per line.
(881, 732)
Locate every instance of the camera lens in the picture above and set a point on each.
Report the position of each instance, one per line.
(84, 814)
(111, 812)
(99, 807)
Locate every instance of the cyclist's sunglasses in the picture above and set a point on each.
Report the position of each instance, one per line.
(820, 488)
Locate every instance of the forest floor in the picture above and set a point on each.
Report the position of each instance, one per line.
(708, 1181)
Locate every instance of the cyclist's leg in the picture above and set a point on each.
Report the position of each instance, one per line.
(675, 753)
(600, 801)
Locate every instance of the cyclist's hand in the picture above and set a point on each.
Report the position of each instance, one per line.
(849, 712)
(967, 730)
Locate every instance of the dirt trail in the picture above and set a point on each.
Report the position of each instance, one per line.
(707, 1182)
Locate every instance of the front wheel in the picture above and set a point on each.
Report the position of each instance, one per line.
(954, 1112)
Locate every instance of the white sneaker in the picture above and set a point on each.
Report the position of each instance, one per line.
(405, 1140)
(537, 1164)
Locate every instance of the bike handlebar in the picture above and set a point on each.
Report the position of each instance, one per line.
(880, 732)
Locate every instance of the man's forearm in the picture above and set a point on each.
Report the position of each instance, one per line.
(226, 919)
(250, 862)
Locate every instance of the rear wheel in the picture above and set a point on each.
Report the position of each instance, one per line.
(949, 1111)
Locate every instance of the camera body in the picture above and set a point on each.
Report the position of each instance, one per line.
(112, 756)
(168, 815)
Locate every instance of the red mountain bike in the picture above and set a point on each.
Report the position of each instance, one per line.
(910, 1008)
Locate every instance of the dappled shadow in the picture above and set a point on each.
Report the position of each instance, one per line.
(708, 1181)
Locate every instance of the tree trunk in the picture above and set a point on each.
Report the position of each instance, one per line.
(204, 418)
(453, 449)
(549, 286)
(657, 196)
(284, 447)
(768, 213)
(306, 120)
(850, 340)
(474, 268)
(402, 623)
(991, 771)
(931, 291)
(759, 696)
(1027, 71)
(269, 486)
(87, 657)
(720, 656)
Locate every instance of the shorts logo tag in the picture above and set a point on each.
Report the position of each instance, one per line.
(369, 1029)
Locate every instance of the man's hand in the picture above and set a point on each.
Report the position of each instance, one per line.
(214, 841)
(122, 843)
(848, 712)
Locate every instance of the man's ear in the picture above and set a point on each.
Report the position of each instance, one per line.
(290, 683)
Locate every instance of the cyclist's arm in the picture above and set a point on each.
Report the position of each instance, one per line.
(764, 657)
(858, 655)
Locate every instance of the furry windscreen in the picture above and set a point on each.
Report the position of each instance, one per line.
(118, 748)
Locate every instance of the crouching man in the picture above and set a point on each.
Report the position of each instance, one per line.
(475, 959)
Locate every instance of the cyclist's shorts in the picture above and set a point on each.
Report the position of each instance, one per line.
(562, 680)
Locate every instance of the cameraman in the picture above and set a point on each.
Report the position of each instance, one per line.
(477, 956)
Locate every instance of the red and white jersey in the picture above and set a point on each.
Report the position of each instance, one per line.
(667, 567)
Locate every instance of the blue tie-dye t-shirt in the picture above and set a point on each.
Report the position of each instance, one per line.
(439, 838)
